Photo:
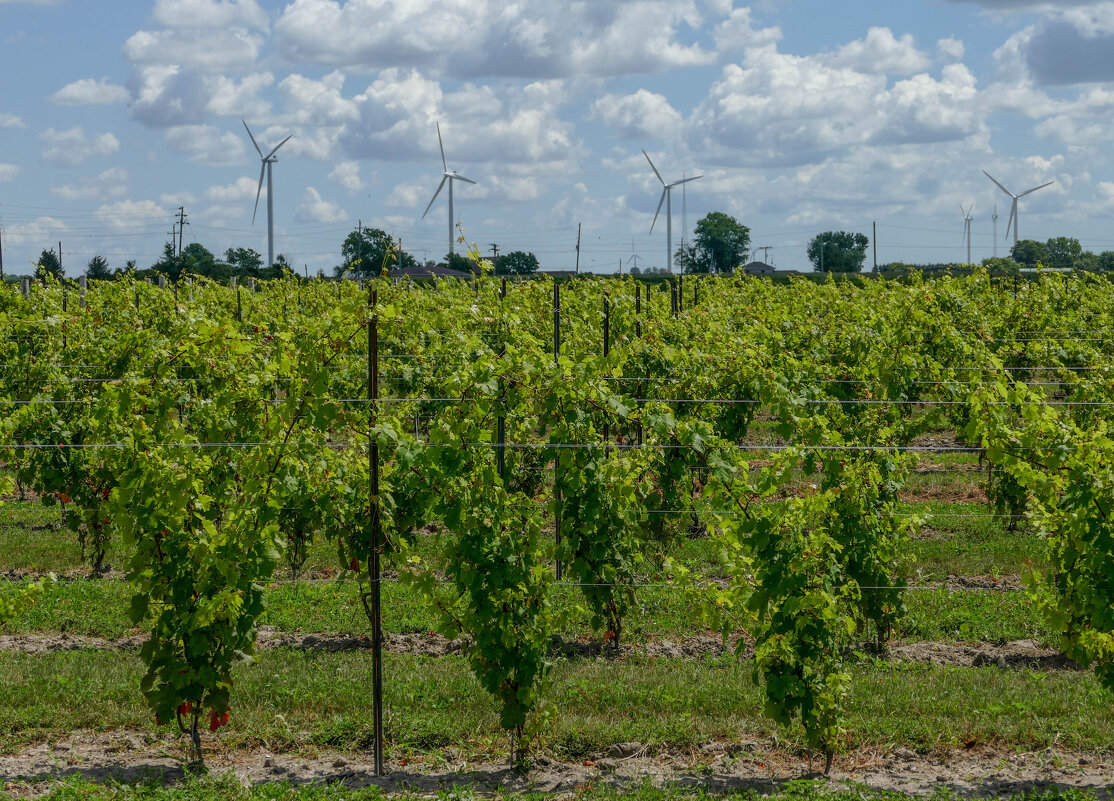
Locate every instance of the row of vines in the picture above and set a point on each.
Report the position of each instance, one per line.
(216, 433)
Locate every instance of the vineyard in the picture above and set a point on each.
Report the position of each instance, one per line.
(797, 482)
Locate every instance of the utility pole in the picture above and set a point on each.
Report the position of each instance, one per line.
(578, 248)
(874, 244)
(360, 245)
(765, 252)
(1, 255)
(181, 226)
(61, 269)
(494, 253)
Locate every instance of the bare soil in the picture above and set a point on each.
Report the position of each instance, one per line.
(713, 766)
(1020, 654)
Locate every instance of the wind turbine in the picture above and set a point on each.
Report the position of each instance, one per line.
(450, 176)
(667, 198)
(1013, 208)
(967, 228)
(268, 160)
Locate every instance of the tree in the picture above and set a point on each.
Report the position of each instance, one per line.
(838, 252)
(720, 244)
(1029, 253)
(517, 262)
(1106, 260)
(245, 260)
(48, 265)
(97, 269)
(1063, 251)
(455, 261)
(367, 252)
(999, 267)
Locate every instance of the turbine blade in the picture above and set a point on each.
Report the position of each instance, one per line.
(258, 189)
(1035, 188)
(995, 180)
(685, 180)
(656, 213)
(458, 177)
(1012, 220)
(257, 150)
(652, 167)
(435, 194)
(280, 144)
(441, 142)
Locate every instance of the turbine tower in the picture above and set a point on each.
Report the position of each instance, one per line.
(967, 228)
(450, 176)
(994, 217)
(1013, 208)
(267, 160)
(667, 198)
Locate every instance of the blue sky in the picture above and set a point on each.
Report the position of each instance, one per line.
(802, 116)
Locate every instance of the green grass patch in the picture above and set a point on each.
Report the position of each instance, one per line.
(99, 608)
(291, 700)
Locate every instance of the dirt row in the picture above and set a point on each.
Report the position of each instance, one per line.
(714, 766)
(1020, 654)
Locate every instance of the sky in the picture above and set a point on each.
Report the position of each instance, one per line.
(801, 116)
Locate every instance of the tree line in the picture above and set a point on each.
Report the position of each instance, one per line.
(720, 244)
(365, 253)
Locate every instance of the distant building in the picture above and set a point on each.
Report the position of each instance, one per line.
(758, 268)
(433, 270)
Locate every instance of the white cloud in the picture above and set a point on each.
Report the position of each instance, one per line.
(11, 121)
(8, 172)
(950, 49)
(90, 92)
(210, 14)
(777, 108)
(504, 124)
(738, 31)
(230, 98)
(880, 52)
(315, 209)
(72, 147)
(242, 189)
(127, 214)
(347, 175)
(110, 183)
(469, 38)
(641, 115)
(205, 50)
(206, 144)
(310, 102)
(38, 230)
(167, 96)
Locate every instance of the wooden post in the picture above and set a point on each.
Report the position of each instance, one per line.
(501, 423)
(606, 353)
(83, 283)
(374, 571)
(557, 457)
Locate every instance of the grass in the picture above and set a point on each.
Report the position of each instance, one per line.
(100, 608)
(294, 700)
